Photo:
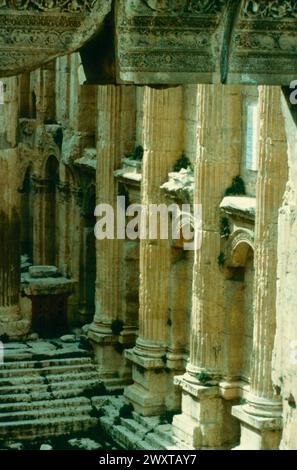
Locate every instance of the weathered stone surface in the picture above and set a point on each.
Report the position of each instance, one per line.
(68, 338)
(46, 30)
(84, 444)
(46, 447)
(43, 271)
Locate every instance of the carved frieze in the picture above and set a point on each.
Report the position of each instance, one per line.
(34, 31)
(178, 38)
(273, 9)
(186, 6)
(63, 6)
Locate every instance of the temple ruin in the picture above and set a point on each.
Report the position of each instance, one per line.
(139, 340)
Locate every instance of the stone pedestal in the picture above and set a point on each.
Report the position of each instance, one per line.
(261, 417)
(206, 417)
(153, 390)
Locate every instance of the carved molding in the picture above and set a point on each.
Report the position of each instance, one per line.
(186, 6)
(61, 6)
(34, 31)
(277, 9)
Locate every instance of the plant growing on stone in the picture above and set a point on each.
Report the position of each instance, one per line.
(237, 187)
(117, 326)
(225, 227)
(182, 163)
(137, 154)
(203, 377)
(221, 259)
(126, 411)
(167, 416)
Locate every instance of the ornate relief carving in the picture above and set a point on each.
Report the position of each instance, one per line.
(72, 6)
(270, 9)
(186, 6)
(35, 31)
(178, 40)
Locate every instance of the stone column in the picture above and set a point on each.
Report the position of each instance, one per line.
(285, 345)
(163, 146)
(11, 323)
(9, 240)
(204, 421)
(116, 107)
(261, 416)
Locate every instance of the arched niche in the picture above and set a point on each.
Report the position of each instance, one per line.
(239, 304)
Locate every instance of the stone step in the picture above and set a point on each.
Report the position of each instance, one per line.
(144, 445)
(148, 422)
(125, 438)
(164, 431)
(45, 413)
(52, 386)
(36, 356)
(36, 428)
(73, 377)
(44, 404)
(61, 369)
(159, 443)
(37, 395)
(50, 362)
(133, 426)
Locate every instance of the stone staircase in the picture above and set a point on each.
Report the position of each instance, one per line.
(48, 395)
(137, 432)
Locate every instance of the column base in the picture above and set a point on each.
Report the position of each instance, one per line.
(206, 421)
(259, 432)
(114, 369)
(153, 391)
(12, 325)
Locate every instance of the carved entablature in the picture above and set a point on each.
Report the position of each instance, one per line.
(61, 6)
(156, 42)
(206, 41)
(167, 41)
(264, 43)
(270, 9)
(34, 31)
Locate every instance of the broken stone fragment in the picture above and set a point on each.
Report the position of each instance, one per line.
(46, 447)
(15, 445)
(43, 271)
(68, 338)
(84, 443)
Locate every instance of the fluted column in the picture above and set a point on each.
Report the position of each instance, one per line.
(115, 106)
(163, 146)
(217, 163)
(12, 324)
(9, 241)
(272, 177)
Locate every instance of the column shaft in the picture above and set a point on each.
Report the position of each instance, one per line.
(115, 106)
(261, 416)
(206, 420)
(163, 139)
